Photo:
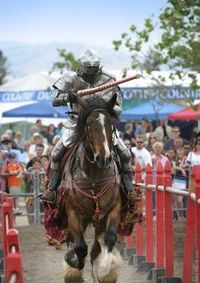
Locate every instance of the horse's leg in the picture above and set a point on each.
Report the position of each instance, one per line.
(108, 261)
(75, 258)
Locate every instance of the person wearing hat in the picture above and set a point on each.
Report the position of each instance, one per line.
(6, 144)
(14, 170)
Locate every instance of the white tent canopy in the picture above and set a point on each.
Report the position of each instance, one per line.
(37, 81)
(19, 92)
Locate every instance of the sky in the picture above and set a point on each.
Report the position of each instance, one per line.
(86, 21)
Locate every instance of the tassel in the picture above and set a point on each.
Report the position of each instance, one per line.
(97, 211)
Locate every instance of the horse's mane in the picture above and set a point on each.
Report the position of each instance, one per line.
(92, 105)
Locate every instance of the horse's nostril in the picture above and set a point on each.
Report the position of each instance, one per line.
(103, 162)
(110, 158)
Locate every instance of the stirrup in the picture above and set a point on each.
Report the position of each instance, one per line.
(48, 196)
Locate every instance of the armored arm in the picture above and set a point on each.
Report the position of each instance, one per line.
(62, 91)
(61, 99)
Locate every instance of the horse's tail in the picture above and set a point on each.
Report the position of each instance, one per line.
(107, 264)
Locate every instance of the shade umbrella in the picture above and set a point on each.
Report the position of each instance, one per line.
(37, 109)
(150, 110)
(188, 113)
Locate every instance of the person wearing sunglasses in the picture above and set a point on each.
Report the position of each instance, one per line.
(142, 155)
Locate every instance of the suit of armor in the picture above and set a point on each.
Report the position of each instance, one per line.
(70, 83)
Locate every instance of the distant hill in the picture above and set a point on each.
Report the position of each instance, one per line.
(24, 59)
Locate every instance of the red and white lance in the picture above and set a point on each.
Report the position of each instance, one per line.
(88, 91)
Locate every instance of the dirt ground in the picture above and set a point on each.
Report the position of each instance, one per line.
(44, 264)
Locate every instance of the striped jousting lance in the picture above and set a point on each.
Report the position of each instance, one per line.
(88, 91)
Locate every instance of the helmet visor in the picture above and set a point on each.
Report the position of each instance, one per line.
(90, 69)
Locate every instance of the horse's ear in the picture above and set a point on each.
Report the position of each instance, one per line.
(81, 101)
(111, 103)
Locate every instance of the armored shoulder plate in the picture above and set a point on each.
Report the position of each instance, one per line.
(65, 82)
(108, 74)
(70, 81)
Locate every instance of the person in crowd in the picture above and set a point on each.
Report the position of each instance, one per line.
(7, 145)
(157, 155)
(139, 129)
(3, 163)
(38, 169)
(50, 133)
(175, 135)
(180, 181)
(59, 129)
(129, 133)
(45, 162)
(163, 131)
(157, 158)
(148, 128)
(151, 140)
(25, 155)
(14, 171)
(39, 150)
(89, 74)
(141, 154)
(19, 140)
(187, 148)
(193, 157)
(36, 139)
(9, 136)
(48, 150)
(178, 143)
(171, 155)
(37, 127)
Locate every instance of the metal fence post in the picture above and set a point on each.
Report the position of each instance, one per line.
(36, 186)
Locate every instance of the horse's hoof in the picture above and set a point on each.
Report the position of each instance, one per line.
(73, 275)
(72, 259)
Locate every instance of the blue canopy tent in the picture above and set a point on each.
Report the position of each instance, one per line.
(151, 110)
(37, 109)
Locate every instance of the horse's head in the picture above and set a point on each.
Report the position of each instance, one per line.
(96, 120)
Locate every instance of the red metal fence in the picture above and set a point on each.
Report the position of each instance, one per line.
(154, 245)
(10, 243)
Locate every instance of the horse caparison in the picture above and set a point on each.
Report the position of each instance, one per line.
(94, 196)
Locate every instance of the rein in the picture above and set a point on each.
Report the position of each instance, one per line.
(86, 154)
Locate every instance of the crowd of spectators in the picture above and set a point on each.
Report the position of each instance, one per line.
(147, 144)
(20, 159)
(154, 145)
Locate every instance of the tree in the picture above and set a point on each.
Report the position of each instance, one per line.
(3, 68)
(68, 61)
(179, 44)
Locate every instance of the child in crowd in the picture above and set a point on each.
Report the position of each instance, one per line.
(15, 171)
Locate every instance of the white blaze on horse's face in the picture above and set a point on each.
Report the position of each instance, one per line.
(99, 127)
(101, 120)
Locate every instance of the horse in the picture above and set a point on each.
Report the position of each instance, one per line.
(94, 196)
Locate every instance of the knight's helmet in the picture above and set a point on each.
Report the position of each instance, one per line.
(90, 64)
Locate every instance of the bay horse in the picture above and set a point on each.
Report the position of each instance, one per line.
(94, 196)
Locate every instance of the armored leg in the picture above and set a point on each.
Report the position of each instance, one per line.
(125, 157)
(57, 153)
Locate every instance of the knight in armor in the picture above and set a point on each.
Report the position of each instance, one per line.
(89, 75)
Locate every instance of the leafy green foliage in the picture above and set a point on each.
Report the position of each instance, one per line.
(68, 61)
(3, 68)
(178, 48)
